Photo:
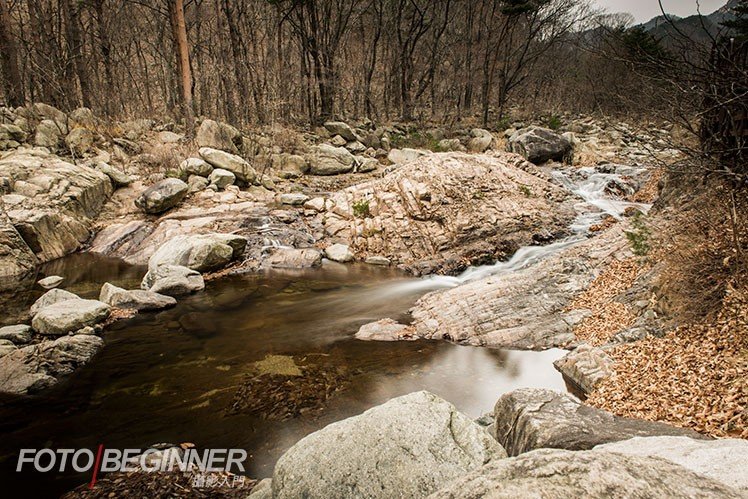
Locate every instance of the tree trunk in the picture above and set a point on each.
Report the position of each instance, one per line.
(181, 45)
(105, 47)
(9, 59)
(71, 12)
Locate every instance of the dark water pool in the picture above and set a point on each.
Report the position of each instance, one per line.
(213, 370)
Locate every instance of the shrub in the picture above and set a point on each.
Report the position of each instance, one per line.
(639, 235)
(361, 208)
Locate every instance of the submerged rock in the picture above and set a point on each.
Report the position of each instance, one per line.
(384, 330)
(532, 418)
(173, 280)
(561, 474)
(137, 299)
(408, 447)
(68, 316)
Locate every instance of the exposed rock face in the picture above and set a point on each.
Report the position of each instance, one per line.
(486, 311)
(342, 129)
(532, 418)
(11, 136)
(80, 141)
(329, 160)
(219, 136)
(539, 145)
(722, 460)
(585, 367)
(408, 447)
(204, 252)
(52, 202)
(560, 474)
(136, 299)
(444, 211)
(162, 196)
(231, 162)
(339, 253)
(16, 258)
(384, 330)
(292, 258)
(68, 316)
(117, 176)
(173, 280)
(405, 155)
(34, 368)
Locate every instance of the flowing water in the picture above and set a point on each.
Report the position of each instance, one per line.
(214, 369)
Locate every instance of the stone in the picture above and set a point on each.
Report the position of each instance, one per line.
(11, 136)
(377, 260)
(410, 446)
(533, 418)
(560, 474)
(539, 145)
(197, 183)
(293, 198)
(202, 252)
(16, 257)
(289, 165)
(481, 140)
(50, 282)
(50, 298)
(82, 117)
(134, 129)
(117, 176)
(384, 330)
(366, 165)
(218, 135)
(723, 460)
(48, 135)
(173, 280)
(342, 129)
(406, 155)
(451, 145)
(194, 166)
(18, 334)
(355, 147)
(6, 347)
(80, 141)
(34, 368)
(339, 253)
(585, 367)
(292, 258)
(231, 162)
(316, 204)
(137, 299)
(263, 490)
(41, 111)
(222, 178)
(338, 141)
(167, 137)
(69, 315)
(162, 196)
(329, 160)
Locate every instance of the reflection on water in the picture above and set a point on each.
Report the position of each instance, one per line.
(172, 376)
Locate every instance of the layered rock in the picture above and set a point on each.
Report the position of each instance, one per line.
(585, 367)
(445, 211)
(531, 418)
(408, 447)
(162, 196)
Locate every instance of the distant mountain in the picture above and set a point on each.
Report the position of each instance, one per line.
(698, 28)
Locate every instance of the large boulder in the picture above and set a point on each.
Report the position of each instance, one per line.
(11, 136)
(405, 155)
(289, 165)
(173, 280)
(218, 135)
(342, 129)
(481, 140)
(408, 447)
(194, 166)
(339, 253)
(80, 141)
(722, 460)
(137, 299)
(560, 474)
(231, 162)
(33, 368)
(69, 316)
(539, 145)
(203, 252)
(50, 298)
(82, 117)
(47, 135)
(52, 203)
(325, 159)
(585, 367)
(16, 258)
(293, 258)
(162, 196)
(222, 178)
(533, 418)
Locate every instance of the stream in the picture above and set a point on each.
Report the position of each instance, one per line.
(181, 375)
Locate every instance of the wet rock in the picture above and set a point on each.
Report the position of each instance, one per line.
(405, 155)
(560, 474)
(231, 162)
(69, 315)
(218, 135)
(50, 282)
(329, 160)
(721, 460)
(137, 299)
(162, 196)
(173, 280)
(80, 141)
(539, 145)
(585, 367)
(292, 258)
(408, 447)
(377, 260)
(117, 176)
(481, 140)
(530, 418)
(222, 178)
(34, 368)
(50, 298)
(293, 198)
(204, 252)
(342, 129)
(194, 166)
(18, 334)
(339, 253)
(384, 330)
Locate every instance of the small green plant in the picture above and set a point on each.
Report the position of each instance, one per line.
(554, 122)
(504, 123)
(361, 208)
(639, 235)
(525, 190)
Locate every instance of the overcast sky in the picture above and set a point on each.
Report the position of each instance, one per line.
(644, 10)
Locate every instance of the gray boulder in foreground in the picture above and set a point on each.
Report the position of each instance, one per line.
(539, 145)
(202, 252)
(173, 280)
(137, 299)
(68, 316)
(162, 196)
(51, 297)
(555, 473)
(724, 460)
(408, 447)
(533, 418)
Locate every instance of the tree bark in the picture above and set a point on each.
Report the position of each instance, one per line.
(9, 59)
(71, 12)
(179, 32)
